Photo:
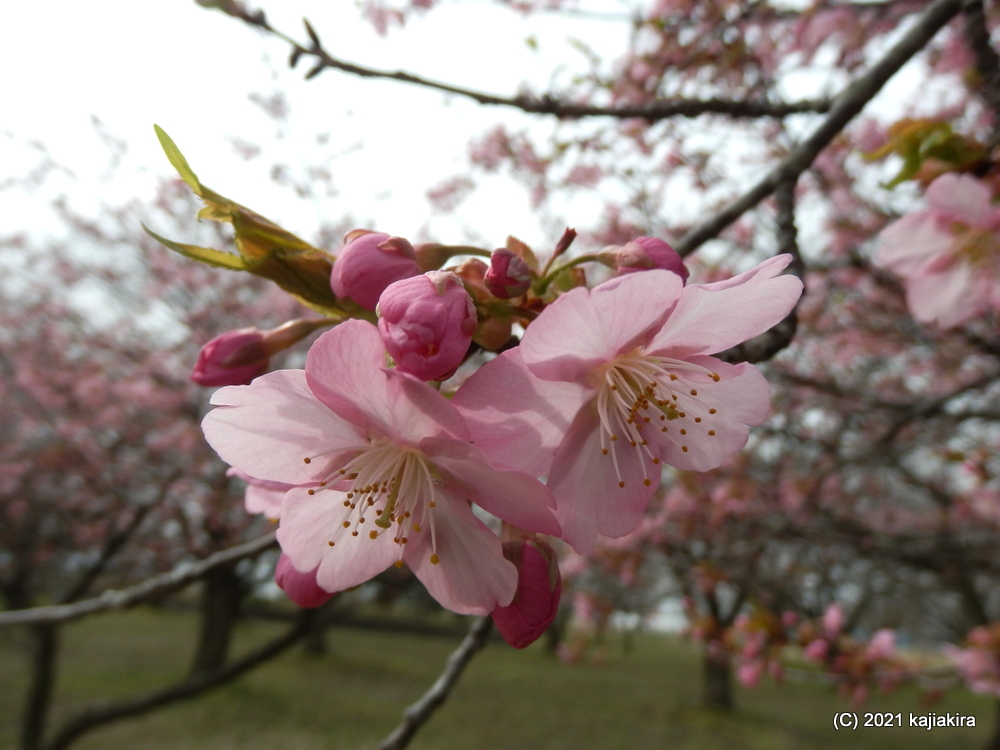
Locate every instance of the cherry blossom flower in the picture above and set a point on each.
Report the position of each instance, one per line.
(394, 468)
(947, 254)
(610, 382)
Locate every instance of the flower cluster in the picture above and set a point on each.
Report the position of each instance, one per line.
(367, 464)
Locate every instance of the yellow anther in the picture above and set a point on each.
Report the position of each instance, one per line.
(330, 543)
(307, 460)
(312, 492)
(647, 482)
(711, 433)
(373, 534)
(684, 448)
(398, 563)
(621, 485)
(435, 559)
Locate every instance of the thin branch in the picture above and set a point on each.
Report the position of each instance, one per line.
(545, 104)
(151, 588)
(849, 103)
(416, 716)
(188, 688)
(987, 61)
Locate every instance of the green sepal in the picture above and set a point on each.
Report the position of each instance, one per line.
(264, 248)
(216, 258)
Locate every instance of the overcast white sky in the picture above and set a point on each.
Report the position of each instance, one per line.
(191, 70)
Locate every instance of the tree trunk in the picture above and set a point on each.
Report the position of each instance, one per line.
(717, 688)
(994, 742)
(44, 648)
(220, 608)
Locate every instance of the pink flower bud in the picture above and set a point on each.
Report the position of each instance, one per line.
(237, 357)
(301, 588)
(427, 324)
(370, 262)
(508, 276)
(234, 358)
(644, 253)
(539, 587)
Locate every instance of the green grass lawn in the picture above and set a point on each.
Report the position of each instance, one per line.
(507, 699)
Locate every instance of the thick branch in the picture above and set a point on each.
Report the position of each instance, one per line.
(545, 104)
(188, 688)
(849, 103)
(416, 716)
(151, 588)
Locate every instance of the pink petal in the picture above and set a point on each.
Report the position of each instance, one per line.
(262, 500)
(310, 522)
(963, 198)
(509, 495)
(584, 328)
(346, 370)
(266, 428)
(947, 298)
(742, 397)
(472, 576)
(709, 318)
(911, 243)
(516, 419)
(589, 500)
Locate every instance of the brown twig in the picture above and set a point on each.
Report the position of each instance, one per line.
(546, 104)
(416, 716)
(848, 104)
(151, 588)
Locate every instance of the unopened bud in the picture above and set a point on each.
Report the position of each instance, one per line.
(301, 588)
(643, 254)
(234, 358)
(536, 600)
(370, 262)
(508, 276)
(427, 324)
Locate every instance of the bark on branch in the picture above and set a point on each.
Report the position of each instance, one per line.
(151, 588)
(546, 104)
(416, 716)
(848, 104)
